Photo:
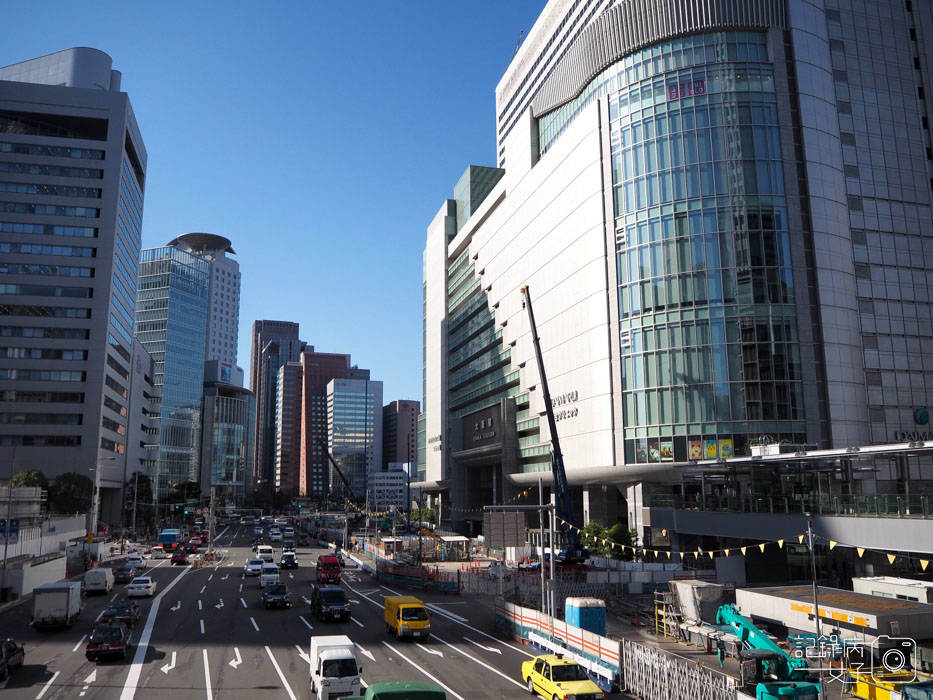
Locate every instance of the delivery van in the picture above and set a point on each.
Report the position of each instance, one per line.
(98, 581)
(266, 553)
(406, 616)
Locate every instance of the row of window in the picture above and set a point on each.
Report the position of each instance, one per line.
(41, 418)
(44, 311)
(35, 249)
(49, 209)
(51, 170)
(48, 229)
(34, 149)
(45, 270)
(40, 440)
(35, 332)
(42, 375)
(50, 190)
(18, 353)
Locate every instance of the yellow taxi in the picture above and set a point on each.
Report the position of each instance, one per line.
(554, 677)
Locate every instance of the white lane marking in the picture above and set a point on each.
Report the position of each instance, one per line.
(304, 657)
(278, 670)
(168, 667)
(46, 686)
(436, 652)
(481, 663)
(492, 649)
(444, 613)
(100, 615)
(357, 622)
(447, 613)
(367, 653)
(253, 620)
(209, 578)
(199, 605)
(243, 601)
(114, 597)
(202, 626)
(237, 661)
(447, 688)
(202, 589)
(307, 624)
(389, 590)
(241, 588)
(91, 677)
(132, 679)
(207, 676)
(80, 641)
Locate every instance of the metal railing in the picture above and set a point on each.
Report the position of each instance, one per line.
(876, 506)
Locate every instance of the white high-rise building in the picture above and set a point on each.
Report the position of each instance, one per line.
(223, 313)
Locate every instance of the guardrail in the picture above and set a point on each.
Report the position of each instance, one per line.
(877, 506)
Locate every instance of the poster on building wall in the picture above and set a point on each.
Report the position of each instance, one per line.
(667, 450)
(712, 450)
(725, 448)
(654, 450)
(504, 529)
(696, 449)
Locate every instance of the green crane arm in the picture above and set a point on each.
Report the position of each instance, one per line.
(753, 638)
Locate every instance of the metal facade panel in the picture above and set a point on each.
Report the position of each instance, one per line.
(635, 24)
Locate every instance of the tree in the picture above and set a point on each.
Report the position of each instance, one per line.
(71, 493)
(31, 479)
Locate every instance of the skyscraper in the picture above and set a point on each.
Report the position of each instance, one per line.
(354, 428)
(171, 323)
(288, 429)
(399, 432)
(274, 343)
(72, 178)
(228, 433)
(723, 213)
(223, 313)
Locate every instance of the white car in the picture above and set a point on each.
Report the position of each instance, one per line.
(253, 567)
(275, 536)
(141, 586)
(136, 561)
(269, 574)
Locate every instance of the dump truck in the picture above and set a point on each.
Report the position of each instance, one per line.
(56, 604)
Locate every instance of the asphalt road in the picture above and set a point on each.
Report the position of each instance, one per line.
(206, 635)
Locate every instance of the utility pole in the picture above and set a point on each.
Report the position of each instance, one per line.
(135, 501)
(210, 524)
(816, 601)
(9, 514)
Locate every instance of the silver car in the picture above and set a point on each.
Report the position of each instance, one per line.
(253, 567)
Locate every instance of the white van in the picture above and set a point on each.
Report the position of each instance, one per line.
(269, 574)
(158, 552)
(289, 533)
(98, 581)
(265, 552)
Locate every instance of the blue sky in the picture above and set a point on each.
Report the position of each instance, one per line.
(319, 137)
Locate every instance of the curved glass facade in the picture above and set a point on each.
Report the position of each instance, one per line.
(708, 329)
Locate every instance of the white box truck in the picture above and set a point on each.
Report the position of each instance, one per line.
(56, 604)
(335, 672)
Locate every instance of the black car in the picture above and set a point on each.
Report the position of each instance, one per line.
(12, 655)
(329, 602)
(111, 639)
(276, 595)
(190, 548)
(304, 541)
(124, 574)
(124, 612)
(180, 557)
(289, 561)
(288, 545)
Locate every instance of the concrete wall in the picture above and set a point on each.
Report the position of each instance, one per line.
(23, 577)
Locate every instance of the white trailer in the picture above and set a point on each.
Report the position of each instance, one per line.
(56, 604)
(335, 672)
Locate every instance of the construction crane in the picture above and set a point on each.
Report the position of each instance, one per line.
(350, 495)
(573, 553)
(778, 674)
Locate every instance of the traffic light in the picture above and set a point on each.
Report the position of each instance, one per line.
(176, 506)
(186, 511)
(299, 506)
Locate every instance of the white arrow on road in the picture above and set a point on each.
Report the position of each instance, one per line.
(304, 657)
(307, 602)
(237, 661)
(354, 601)
(482, 647)
(366, 653)
(290, 575)
(220, 604)
(176, 607)
(169, 667)
(430, 651)
(225, 577)
(91, 678)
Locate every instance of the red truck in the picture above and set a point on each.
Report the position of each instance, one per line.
(328, 569)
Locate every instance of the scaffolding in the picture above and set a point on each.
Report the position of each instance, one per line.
(667, 616)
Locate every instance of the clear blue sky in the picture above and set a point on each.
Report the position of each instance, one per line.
(319, 137)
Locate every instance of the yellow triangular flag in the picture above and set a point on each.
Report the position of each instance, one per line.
(710, 555)
(891, 558)
(800, 539)
(655, 552)
(860, 550)
(696, 553)
(743, 550)
(644, 551)
(726, 552)
(781, 544)
(832, 545)
(762, 547)
(924, 563)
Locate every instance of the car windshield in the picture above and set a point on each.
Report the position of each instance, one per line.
(102, 634)
(288, 555)
(414, 614)
(339, 668)
(277, 588)
(568, 672)
(329, 565)
(269, 571)
(334, 595)
(255, 562)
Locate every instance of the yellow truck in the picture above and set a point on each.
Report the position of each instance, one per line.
(406, 616)
(880, 685)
